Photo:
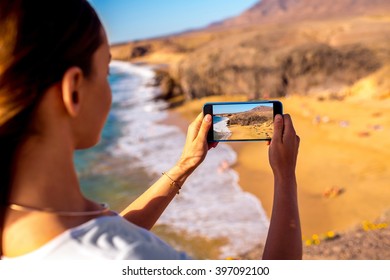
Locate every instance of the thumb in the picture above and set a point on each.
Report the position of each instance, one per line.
(204, 128)
(278, 128)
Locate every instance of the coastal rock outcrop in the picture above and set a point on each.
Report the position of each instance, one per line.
(258, 72)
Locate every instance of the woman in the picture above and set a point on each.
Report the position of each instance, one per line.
(54, 99)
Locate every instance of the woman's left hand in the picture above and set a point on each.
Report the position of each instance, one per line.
(196, 146)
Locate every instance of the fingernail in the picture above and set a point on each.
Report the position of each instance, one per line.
(207, 118)
(278, 118)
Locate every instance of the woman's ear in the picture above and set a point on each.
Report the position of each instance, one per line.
(71, 90)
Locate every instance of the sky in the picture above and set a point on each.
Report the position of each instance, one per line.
(228, 109)
(129, 20)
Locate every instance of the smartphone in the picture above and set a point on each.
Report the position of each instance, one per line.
(242, 121)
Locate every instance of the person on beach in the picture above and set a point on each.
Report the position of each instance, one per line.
(54, 99)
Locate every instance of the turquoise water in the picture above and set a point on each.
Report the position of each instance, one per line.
(107, 178)
(217, 119)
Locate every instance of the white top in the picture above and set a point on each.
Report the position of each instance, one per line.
(108, 237)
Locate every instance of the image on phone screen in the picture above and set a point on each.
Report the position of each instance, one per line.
(242, 121)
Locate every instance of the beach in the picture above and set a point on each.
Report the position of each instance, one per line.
(333, 73)
(237, 122)
(138, 144)
(342, 171)
(250, 132)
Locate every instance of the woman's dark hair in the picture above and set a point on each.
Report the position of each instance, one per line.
(39, 41)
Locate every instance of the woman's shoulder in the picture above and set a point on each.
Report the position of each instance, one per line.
(121, 239)
(106, 237)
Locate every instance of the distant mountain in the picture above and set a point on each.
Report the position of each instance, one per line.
(256, 110)
(261, 109)
(257, 116)
(281, 11)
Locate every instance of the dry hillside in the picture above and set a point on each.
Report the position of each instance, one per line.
(336, 49)
(278, 11)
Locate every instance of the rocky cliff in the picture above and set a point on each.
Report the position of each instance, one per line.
(256, 116)
(258, 72)
(332, 48)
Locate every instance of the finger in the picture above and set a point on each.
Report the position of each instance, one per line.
(288, 125)
(268, 142)
(194, 127)
(278, 128)
(204, 128)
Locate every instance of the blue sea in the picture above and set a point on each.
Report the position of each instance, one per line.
(220, 127)
(136, 146)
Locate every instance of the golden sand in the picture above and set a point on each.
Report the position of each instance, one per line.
(250, 132)
(343, 166)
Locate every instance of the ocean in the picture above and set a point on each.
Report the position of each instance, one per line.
(220, 127)
(136, 146)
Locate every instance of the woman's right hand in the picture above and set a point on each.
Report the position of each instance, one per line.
(283, 150)
(196, 146)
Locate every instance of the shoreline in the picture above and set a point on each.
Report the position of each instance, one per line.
(337, 147)
(221, 131)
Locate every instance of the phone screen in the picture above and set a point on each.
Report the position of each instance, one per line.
(244, 121)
